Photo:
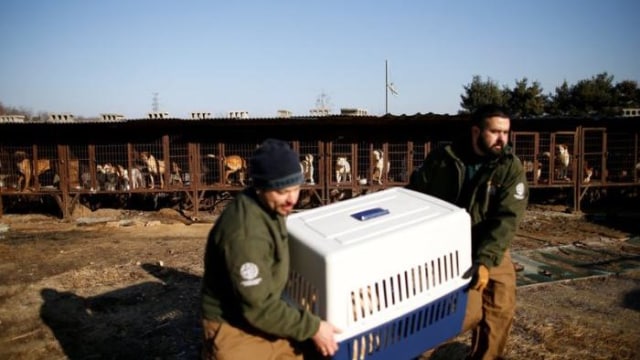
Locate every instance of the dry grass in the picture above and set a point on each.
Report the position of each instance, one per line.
(97, 291)
(587, 319)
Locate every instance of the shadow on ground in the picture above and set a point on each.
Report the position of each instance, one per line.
(631, 300)
(622, 220)
(453, 350)
(151, 320)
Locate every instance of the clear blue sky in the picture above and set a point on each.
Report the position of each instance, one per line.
(88, 57)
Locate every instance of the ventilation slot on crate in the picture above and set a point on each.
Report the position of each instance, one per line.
(301, 293)
(386, 336)
(374, 298)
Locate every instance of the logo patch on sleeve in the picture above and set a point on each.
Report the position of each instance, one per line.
(519, 191)
(249, 273)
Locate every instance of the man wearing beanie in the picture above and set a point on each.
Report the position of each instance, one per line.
(246, 267)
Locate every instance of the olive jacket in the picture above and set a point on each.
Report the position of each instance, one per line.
(246, 270)
(495, 198)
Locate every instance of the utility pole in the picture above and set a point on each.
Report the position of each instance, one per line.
(386, 88)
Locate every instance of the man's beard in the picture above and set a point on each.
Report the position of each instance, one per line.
(486, 149)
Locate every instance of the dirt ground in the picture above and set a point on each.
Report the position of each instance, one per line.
(115, 284)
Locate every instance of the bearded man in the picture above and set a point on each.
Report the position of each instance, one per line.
(480, 173)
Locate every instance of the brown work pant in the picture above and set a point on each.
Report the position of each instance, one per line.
(225, 342)
(490, 314)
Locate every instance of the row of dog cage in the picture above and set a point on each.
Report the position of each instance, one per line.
(576, 160)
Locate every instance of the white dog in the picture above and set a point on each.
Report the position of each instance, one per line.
(380, 168)
(343, 169)
(564, 158)
(306, 165)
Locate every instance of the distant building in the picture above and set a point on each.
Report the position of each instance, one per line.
(158, 115)
(353, 112)
(12, 118)
(111, 117)
(200, 115)
(239, 114)
(630, 112)
(284, 113)
(61, 117)
(319, 112)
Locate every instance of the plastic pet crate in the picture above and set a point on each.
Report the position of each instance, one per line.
(386, 268)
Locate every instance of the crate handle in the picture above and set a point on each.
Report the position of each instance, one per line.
(370, 214)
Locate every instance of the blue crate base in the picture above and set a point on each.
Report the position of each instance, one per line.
(412, 334)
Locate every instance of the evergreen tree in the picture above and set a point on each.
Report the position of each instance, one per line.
(525, 100)
(479, 93)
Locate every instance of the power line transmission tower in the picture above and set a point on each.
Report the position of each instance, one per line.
(323, 105)
(154, 105)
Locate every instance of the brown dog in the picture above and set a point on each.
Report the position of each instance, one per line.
(232, 164)
(26, 170)
(155, 168)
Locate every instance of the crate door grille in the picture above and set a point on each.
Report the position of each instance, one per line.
(394, 333)
(302, 293)
(401, 287)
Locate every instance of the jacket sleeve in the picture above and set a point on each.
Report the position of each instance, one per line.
(421, 178)
(251, 268)
(418, 179)
(496, 232)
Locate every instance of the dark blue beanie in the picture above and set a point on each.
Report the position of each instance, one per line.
(275, 166)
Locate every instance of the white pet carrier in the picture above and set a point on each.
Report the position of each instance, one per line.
(386, 268)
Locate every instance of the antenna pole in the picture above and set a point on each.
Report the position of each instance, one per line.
(386, 88)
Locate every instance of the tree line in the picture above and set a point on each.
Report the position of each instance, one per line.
(597, 96)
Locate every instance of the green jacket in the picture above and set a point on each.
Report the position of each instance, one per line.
(495, 198)
(246, 268)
